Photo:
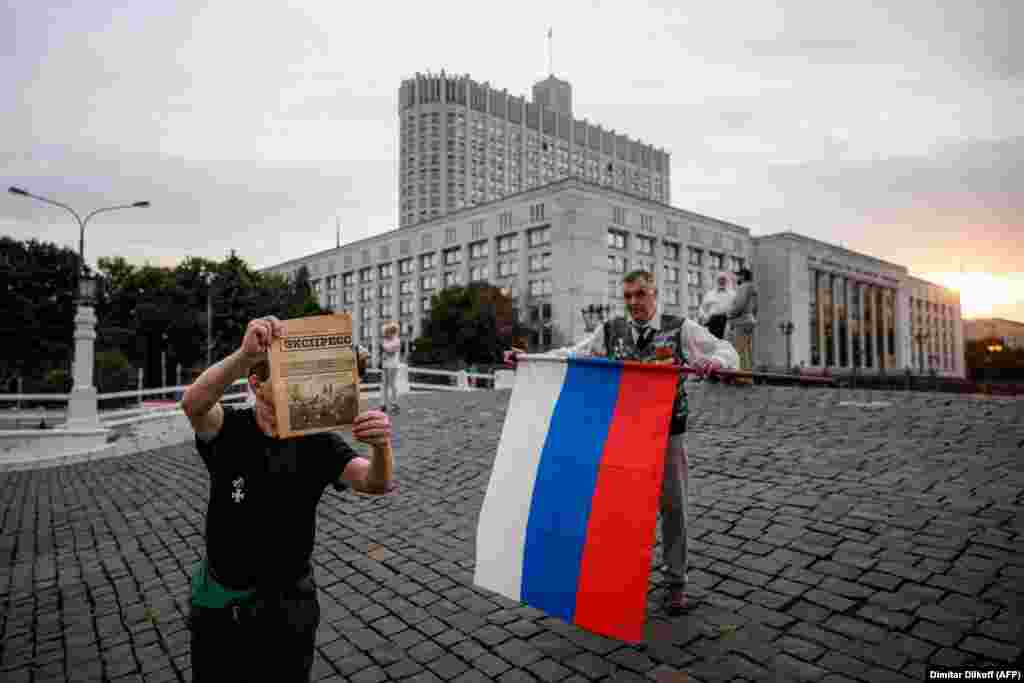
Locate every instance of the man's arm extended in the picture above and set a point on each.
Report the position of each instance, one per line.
(201, 402)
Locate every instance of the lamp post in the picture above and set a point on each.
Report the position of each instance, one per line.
(208, 277)
(786, 328)
(82, 412)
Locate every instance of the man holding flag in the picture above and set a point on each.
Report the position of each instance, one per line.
(651, 336)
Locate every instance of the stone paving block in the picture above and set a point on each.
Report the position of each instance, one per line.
(991, 650)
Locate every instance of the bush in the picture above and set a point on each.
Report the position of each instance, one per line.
(58, 380)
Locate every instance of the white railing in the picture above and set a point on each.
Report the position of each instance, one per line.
(460, 380)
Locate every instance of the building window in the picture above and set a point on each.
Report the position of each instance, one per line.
(366, 313)
(347, 296)
(671, 251)
(508, 243)
(478, 274)
(646, 222)
(617, 264)
(536, 213)
(616, 239)
(478, 250)
(505, 220)
(506, 268)
(540, 236)
(450, 236)
(694, 296)
(426, 261)
(696, 256)
(540, 287)
(425, 304)
(453, 257)
(366, 275)
(644, 245)
(618, 215)
(672, 296)
(716, 260)
(452, 278)
(735, 264)
(405, 307)
(317, 286)
(332, 282)
(332, 301)
(385, 310)
(671, 274)
(348, 279)
(693, 278)
(365, 293)
(405, 266)
(385, 290)
(539, 262)
(405, 287)
(478, 229)
(428, 282)
(385, 271)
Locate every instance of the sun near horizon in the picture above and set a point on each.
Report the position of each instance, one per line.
(984, 295)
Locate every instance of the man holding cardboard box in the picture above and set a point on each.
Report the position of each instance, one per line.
(254, 605)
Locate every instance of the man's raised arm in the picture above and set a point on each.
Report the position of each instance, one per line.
(201, 402)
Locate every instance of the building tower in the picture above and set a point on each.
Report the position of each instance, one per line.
(464, 143)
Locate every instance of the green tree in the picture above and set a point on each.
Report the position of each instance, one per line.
(37, 309)
(472, 324)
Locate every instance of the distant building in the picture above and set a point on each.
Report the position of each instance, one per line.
(851, 309)
(555, 211)
(465, 143)
(1010, 333)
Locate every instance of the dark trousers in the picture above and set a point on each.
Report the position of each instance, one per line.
(716, 325)
(271, 640)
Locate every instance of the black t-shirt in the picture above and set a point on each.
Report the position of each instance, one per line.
(261, 521)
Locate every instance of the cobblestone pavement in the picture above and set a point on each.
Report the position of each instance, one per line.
(830, 542)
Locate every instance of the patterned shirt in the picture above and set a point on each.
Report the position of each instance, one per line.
(617, 340)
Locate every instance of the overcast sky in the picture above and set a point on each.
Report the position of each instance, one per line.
(893, 128)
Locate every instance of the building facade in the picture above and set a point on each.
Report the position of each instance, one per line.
(1009, 333)
(561, 247)
(465, 143)
(851, 310)
(555, 249)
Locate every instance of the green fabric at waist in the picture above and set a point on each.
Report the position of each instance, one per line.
(208, 593)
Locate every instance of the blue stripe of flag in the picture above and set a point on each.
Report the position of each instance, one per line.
(566, 475)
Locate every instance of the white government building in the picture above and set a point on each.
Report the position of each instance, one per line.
(560, 242)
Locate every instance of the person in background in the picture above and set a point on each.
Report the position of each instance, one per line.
(714, 310)
(743, 320)
(390, 348)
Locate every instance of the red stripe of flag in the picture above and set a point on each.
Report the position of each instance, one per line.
(611, 597)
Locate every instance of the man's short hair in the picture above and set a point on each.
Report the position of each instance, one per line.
(745, 274)
(392, 325)
(261, 370)
(637, 276)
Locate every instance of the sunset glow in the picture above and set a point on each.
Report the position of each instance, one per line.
(983, 294)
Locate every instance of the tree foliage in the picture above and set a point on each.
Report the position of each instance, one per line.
(137, 307)
(37, 282)
(472, 323)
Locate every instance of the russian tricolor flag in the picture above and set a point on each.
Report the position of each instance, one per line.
(567, 524)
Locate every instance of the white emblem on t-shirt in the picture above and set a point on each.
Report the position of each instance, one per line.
(239, 493)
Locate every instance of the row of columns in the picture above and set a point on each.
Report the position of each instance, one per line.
(866, 301)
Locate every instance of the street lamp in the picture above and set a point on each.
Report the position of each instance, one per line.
(786, 328)
(82, 412)
(594, 315)
(208, 277)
